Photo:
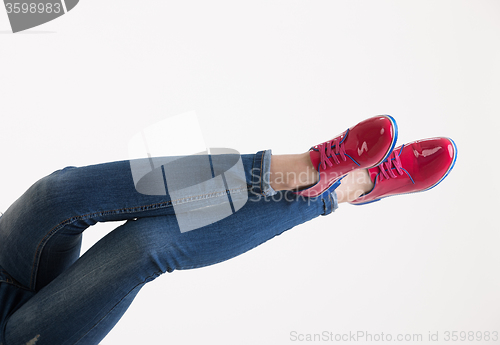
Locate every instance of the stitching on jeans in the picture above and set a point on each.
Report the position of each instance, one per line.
(222, 260)
(215, 194)
(85, 216)
(224, 191)
(6, 278)
(122, 210)
(13, 283)
(71, 220)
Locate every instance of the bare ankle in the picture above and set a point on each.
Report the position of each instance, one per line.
(291, 172)
(355, 184)
(307, 174)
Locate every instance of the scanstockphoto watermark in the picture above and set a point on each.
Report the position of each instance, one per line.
(353, 336)
(27, 14)
(371, 337)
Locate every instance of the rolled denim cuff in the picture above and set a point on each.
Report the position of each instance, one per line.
(261, 172)
(266, 174)
(335, 202)
(330, 203)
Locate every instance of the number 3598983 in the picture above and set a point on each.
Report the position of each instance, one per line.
(25, 7)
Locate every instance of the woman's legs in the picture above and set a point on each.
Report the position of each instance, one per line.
(84, 302)
(81, 301)
(40, 233)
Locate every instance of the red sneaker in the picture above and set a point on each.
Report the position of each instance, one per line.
(365, 145)
(415, 167)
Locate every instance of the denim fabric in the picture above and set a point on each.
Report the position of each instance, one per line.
(266, 169)
(50, 295)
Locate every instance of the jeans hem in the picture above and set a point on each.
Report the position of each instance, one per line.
(330, 203)
(261, 172)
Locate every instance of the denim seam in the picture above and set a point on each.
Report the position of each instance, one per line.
(223, 260)
(6, 278)
(13, 283)
(41, 244)
(212, 193)
(209, 196)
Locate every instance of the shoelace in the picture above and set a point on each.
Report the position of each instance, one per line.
(325, 152)
(386, 169)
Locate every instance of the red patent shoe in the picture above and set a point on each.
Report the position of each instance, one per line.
(365, 145)
(415, 167)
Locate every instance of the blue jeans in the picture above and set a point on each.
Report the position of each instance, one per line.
(49, 295)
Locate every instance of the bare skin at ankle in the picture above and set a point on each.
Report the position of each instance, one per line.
(355, 184)
(290, 172)
(295, 171)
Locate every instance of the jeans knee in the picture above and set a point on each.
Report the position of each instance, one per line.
(147, 248)
(56, 193)
(45, 192)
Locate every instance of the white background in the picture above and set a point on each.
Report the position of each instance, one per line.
(283, 75)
